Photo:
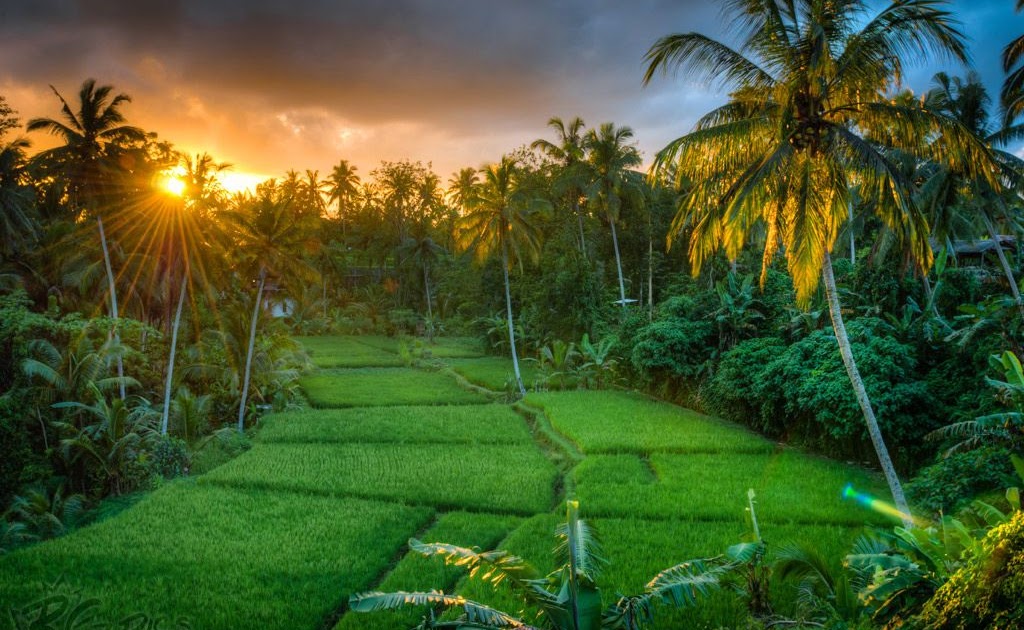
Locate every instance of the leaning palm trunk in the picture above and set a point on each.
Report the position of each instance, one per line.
(579, 220)
(508, 314)
(113, 306)
(248, 355)
(1003, 261)
(618, 266)
(862, 396)
(164, 420)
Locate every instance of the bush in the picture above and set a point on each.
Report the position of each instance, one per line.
(673, 348)
(951, 482)
(169, 457)
(988, 592)
(736, 390)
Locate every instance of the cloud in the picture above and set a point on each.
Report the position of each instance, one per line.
(272, 85)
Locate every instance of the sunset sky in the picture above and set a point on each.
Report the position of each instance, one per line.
(270, 86)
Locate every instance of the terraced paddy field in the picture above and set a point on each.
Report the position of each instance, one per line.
(323, 504)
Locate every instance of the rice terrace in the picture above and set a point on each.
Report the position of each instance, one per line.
(752, 363)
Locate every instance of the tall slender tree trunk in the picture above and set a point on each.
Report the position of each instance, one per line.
(430, 310)
(579, 220)
(618, 265)
(113, 305)
(1003, 261)
(165, 418)
(248, 354)
(862, 396)
(650, 276)
(508, 315)
(853, 238)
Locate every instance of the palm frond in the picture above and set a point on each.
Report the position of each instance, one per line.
(491, 566)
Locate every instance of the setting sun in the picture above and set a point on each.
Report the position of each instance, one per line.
(171, 182)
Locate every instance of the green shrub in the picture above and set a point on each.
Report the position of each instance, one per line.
(169, 457)
(988, 591)
(737, 388)
(673, 349)
(950, 483)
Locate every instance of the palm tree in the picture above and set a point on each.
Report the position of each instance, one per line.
(88, 135)
(609, 161)
(344, 188)
(500, 219)
(18, 226)
(270, 235)
(569, 151)
(460, 187)
(1011, 98)
(795, 138)
(421, 251)
(951, 193)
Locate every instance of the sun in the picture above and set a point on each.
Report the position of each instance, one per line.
(171, 181)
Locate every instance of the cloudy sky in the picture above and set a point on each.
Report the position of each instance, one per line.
(273, 85)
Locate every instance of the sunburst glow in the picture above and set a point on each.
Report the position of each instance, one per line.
(877, 505)
(171, 181)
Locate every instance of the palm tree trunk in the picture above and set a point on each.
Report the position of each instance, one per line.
(248, 354)
(650, 275)
(174, 347)
(426, 290)
(862, 396)
(1003, 261)
(579, 221)
(113, 305)
(618, 265)
(508, 315)
(853, 238)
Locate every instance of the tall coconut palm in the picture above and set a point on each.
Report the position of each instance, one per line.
(795, 138)
(271, 236)
(88, 135)
(952, 193)
(344, 189)
(18, 226)
(421, 251)
(1011, 98)
(610, 157)
(569, 152)
(501, 220)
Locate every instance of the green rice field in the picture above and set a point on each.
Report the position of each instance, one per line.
(322, 506)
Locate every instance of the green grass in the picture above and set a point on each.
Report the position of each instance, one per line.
(471, 424)
(368, 387)
(418, 573)
(516, 479)
(221, 558)
(336, 351)
(625, 422)
(494, 373)
(638, 549)
(454, 347)
(790, 487)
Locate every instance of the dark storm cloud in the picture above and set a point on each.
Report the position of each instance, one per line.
(302, 83)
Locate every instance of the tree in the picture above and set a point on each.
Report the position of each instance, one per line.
(500, 219)
(88, 137)
(422, 251)
(18, 226)
(1011, 98)
(953, 193)
(270, 235)
(796, 137)
(609, 161)
(568, 150)
(344, 189)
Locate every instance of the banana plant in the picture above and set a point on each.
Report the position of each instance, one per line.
(599, 366)
(567, 598)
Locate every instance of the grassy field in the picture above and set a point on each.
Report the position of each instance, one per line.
(348, 352)
(494, 373)
(465, 424)
(416, 572)
(223, 558)
(323, 504)
(624, 422)
(515, 479)
(367, 387)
